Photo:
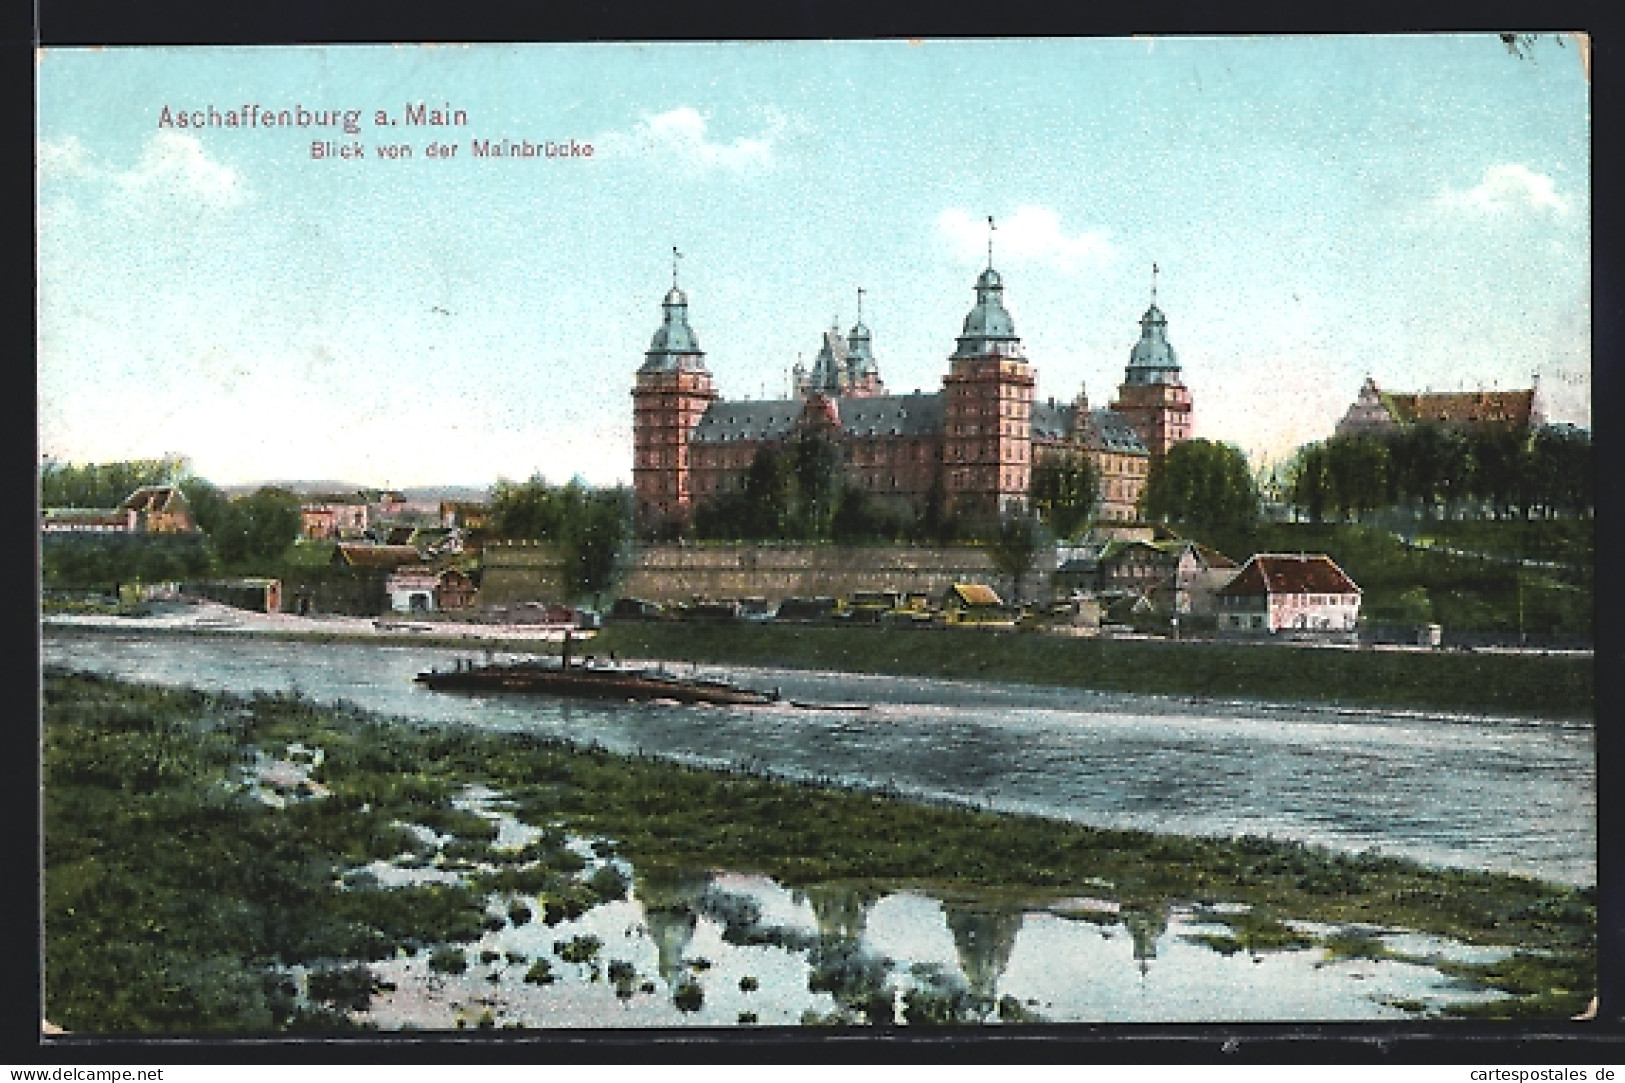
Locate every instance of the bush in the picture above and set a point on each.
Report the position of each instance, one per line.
(688, 996)
(448, 961)
(609, 883)
(347, 988)
(580, 949)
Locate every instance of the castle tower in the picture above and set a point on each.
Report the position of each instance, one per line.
(987, 410)
(1152, 397)
(862, 373)
(672, 392)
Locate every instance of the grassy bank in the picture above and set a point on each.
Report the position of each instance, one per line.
(1547, 686)
(176, 900)
(1406, 585)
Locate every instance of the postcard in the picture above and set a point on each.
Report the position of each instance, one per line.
(820, 535)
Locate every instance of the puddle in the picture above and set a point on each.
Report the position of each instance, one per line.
(730, 949)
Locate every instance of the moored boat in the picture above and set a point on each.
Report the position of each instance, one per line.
(605, 682)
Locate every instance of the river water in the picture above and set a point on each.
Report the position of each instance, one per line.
(1514, 795)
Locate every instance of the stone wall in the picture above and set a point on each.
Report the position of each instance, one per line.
(520, 572)
(527, 572)
(680, 573)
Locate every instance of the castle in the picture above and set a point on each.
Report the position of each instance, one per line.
(975, 442)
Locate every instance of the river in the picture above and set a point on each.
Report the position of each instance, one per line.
(1514, 795)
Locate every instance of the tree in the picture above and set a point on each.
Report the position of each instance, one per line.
(1357, 472)
(258, 528)
(1065, 491)
(816, 461)
(588, 526)
(937, 522)
(104, 485)
(1308, 483)
(860, 518)
(1015, 547)
(210, 507)
(1202, 484)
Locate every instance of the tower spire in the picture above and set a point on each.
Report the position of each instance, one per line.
(675, 256)
(1153, 283)
(860, 304)
(990, 228)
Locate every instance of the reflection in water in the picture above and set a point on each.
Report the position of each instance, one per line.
(842, 909)
(984, 939)
(1145, 928)
(670, 898)
(851, 954)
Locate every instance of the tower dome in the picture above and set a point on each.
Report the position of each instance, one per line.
(988, 327)
(1153, 360)
(674, 346)
(860, 346)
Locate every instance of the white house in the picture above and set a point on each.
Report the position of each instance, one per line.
(411, 589)
(1289, 592)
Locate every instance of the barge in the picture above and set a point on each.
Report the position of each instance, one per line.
(611, 682)
(565, 678)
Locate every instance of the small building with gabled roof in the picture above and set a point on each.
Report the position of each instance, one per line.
(387, 557)
(1289, 592)
(160, 509)
(975, 603)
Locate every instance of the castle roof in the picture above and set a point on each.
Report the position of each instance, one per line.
(1109, 430)
(1153, 361)
(988, 327)
(917, 414)
(674, 347)
(1051, 420)
(726, 421)
(1103, 430)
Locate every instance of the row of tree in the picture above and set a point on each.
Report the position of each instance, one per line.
(796, 492)
(1434, 471)
(588, 525)
(247, 532)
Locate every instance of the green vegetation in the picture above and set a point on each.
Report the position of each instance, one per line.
(1065, 492)
(104, 485)
(1203, 485)
(1416, 584)
(1550, 686)
(174, 900)
(1435, 471)
(588, 525)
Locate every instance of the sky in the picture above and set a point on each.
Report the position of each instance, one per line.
(1320, 209)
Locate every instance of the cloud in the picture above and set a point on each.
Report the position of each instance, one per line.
(1030, 235)
(1505, 188)
(176, 166)
(679, 135)
(66, 157)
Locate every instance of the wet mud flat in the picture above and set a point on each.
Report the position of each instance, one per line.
(264, 864)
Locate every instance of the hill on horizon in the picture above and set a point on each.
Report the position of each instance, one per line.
(413, 493)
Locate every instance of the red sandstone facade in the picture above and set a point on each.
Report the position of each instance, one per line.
(975, 440)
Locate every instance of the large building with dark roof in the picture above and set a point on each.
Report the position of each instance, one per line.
(975, 441)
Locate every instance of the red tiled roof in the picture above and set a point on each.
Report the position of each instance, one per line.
(1214, 558)
(1278, 573)
(1510, 408)
(155, 498)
